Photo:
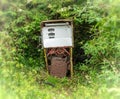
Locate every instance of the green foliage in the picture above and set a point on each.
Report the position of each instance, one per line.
(103, 46)
(96, 52)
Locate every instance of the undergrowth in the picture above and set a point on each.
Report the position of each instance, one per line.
(18, 82)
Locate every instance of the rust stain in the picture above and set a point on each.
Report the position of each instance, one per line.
(58, 67)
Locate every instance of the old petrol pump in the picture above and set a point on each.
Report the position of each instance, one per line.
(57, 40)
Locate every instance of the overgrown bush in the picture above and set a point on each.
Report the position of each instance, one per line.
(96, 52)
(25, 27)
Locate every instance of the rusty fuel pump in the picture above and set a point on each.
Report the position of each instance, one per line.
(57, 40)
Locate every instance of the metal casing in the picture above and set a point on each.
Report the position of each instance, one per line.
(57, 33)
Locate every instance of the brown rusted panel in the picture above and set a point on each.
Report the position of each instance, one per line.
(58, 67)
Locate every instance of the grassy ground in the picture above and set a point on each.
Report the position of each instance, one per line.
(60, 91)
(47, 87)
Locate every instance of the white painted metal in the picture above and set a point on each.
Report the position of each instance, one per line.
(56, 24)
(57, 35)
